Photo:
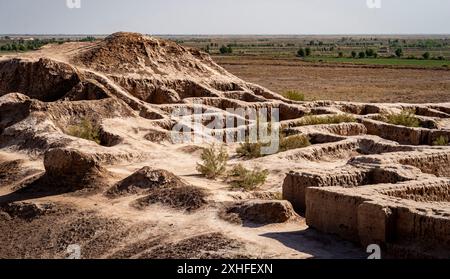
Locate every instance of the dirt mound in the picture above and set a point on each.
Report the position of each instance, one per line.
(73, 169)
(144, 181)
(259, 212)
(27, 211)
(187, 198)
(34, 231)
(206, 246)
(9, 171)
(132, 51)
(46, 80)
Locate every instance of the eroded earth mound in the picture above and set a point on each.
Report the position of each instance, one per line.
(88, 157)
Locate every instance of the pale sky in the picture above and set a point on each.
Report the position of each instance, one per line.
(225, 17)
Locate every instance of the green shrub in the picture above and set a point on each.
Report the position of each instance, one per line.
(293, 142)
(399, 52)
(253, 150)
(329, 119)
(249, 150)
(294, 95)
(405, 118)
(246, 179)
(308, 51)
(226, 50)
(214, 162)
(87, 130)
(441, 141)
(301, 52)
(426, 55)
(362, 55)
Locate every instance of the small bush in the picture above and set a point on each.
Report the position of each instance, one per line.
(308, 51)
(331, 119)
(214, 162)
(87, 130)
(294, 142)
(249, 150)
(301, 52)
(294, 95)
(441, 141)
(226, 50)
(405, 118)
(242, 178)
(253, 150)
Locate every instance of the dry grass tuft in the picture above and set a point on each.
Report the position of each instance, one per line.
(86, 129)
(246, 179)
(214, 162)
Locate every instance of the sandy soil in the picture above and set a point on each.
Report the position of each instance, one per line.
(343, 83)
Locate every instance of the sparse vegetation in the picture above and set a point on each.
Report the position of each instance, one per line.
(441, 141)
(404, 118)
(249, 150)
(293, 142)
(246, 179)
(214, 162)
(294, 95)
(86, 129)
(226, 50)
(329, 119)
(308, 51)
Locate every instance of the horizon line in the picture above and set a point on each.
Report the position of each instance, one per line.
(224, 34)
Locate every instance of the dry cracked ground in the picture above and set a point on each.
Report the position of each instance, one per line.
(134, 193)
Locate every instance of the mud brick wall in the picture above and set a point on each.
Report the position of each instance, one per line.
(400, 134)
(295, 184)
(432, 163)
(367, 216)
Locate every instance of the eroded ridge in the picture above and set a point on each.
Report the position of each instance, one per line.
(87, 131)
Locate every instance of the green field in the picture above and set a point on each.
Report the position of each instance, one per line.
(382, 61)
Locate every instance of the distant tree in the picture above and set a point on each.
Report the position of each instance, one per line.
(362, 54)
(354, 54)
(399, 52)
(21, 47)
(301, 52)
(426, 55)
(308, 51)
(341, 54)
(225, 50)
(370, 52)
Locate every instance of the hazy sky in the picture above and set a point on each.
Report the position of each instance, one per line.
(225, 17)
